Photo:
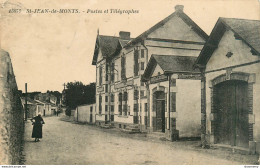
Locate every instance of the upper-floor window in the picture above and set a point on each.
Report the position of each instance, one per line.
(112, 98)
(142, 53)
(123, 71)
(142, 65)
(145, 107)
(125, 96)
(106, 88)
(107, 76)
(100, 75)
(107, 66)
(136, 95)
(136, 65)
(112, 108)
(141, 93)
(112, 72)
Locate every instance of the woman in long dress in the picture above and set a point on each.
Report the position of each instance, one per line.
(37, 123)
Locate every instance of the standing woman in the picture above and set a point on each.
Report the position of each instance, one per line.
(37, 127)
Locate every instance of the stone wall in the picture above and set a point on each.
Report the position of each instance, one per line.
(11, 114)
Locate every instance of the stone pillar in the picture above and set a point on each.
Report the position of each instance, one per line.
(251, 117)
(204, 142)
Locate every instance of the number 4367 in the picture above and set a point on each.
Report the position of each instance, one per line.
(14, 10)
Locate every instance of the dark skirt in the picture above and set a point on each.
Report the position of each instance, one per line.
(37, 131)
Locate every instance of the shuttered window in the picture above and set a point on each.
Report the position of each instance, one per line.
(106, 88)
(145, 107)
(112, 98)
(142, 93)
(142, 53)
(112, 108)
(123, 75)
(100, 75)
(125, 96)
(112, 72)
(142, 65)
(136, 65)
(135, 107)
(136, 95)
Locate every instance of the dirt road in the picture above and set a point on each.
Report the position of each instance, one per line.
(67, 143)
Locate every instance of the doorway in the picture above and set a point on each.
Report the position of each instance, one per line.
(231, 105)
(160, 111)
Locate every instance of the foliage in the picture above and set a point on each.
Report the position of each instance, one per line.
(77, 93)
(68, 111)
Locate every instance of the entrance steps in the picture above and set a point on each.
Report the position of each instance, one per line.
(131, 129)
(157, 135)
(107, 126)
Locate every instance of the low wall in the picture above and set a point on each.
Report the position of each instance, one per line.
(11, 114)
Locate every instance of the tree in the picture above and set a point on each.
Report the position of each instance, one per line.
(77, 93)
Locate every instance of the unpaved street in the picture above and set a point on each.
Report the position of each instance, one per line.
(70, 143)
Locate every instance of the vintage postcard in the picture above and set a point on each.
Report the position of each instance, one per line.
(133, 82)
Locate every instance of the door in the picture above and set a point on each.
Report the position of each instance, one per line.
(160, 115)
(232, 115)
(90, 118)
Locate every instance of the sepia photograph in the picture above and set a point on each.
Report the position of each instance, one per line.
(133, 82)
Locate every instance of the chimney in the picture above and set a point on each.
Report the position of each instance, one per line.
(179, 8)
(124, 35)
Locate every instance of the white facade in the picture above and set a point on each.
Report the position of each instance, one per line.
(124, 99)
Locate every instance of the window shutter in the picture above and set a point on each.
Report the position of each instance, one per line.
(123, 75)
(136, 65)
(100, 75)
(142, 53)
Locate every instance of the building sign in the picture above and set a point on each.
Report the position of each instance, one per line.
(160, 78)
(189, 76)
(100, 89)
(119, 85)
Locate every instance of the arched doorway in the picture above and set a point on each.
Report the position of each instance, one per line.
(159, 102)
(231, 109)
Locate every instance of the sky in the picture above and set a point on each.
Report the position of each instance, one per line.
(50, 49)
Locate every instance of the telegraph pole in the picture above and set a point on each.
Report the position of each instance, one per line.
(25, 101)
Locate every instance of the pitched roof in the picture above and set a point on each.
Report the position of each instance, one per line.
(170, 64)
(107, 45)
(29, 101)
(178, 13)
(246, 30)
